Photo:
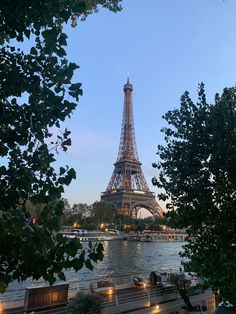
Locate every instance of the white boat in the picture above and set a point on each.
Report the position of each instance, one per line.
(105, 238)
(146, 238)
(69, 235)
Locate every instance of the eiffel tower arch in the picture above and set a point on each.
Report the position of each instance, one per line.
(127, 190)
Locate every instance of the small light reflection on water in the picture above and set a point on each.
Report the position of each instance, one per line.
(139, 246)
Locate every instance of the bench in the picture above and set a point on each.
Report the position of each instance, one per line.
(46, 297)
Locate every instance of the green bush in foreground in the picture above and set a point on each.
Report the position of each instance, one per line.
(85, 304)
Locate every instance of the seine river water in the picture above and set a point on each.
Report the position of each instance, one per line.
(121, 259)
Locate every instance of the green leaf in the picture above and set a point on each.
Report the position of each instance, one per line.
(67, 142)
(27, 33)
(62, 170)
(30, 147)
(61, 276)
(61, 52)
(77, 264)
(62, 39)
(33, 51)
(88, 264)
(34, 89)
(72, 173)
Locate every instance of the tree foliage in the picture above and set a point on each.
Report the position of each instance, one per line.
(197, 170)
(182, 286)
(36, 95)
(81, 209)
(77, 214)
(103, 212)
(85, 304)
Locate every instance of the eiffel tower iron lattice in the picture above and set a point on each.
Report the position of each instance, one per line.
(128, 190)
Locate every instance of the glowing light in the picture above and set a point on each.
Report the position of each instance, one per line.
(110, 291)
(1, 307)
(157, 307)
(55, 296)
(144, 285)
(75, 224)
(148, 304)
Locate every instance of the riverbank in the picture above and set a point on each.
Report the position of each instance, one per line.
(120, 257)
(120, 298)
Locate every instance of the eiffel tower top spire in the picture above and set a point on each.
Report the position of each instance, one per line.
(127, 78)
(128, 84)
(127, 148)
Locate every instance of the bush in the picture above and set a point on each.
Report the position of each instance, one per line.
(85, 304)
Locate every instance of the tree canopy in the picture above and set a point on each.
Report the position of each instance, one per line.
(197, 170)
(34, 90)
(103, 212)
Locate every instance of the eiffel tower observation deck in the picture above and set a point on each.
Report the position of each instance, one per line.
(128, 190)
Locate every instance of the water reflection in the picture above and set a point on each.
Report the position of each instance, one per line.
(126, 258)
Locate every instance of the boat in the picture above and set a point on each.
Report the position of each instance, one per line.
(146, 238)
(69, 234)
(106, 238)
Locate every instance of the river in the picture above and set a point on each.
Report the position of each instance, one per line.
(131, 257)
(121, 260)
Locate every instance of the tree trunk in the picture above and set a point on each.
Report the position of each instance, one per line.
(184, 296)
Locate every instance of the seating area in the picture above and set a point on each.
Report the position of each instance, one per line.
(46, 297)
(129, 297)
(139, 282)
(136, 293)
(102, 287)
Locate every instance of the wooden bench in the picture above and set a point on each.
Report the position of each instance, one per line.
(45, 297)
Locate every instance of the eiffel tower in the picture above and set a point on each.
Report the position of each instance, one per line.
(128, 190)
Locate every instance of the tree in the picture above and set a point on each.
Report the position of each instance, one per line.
(72, 220)
(34, 211)
(75, 214)
(154, 227)
(34, 90)
(153, 223)
(67, 208)
(139, 225)
(182, 285)
(83, 210)
(103, 212)
(198, 173)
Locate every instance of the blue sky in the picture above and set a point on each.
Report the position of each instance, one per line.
(168, 47)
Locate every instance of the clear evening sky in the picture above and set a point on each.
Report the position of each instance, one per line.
(167, 46)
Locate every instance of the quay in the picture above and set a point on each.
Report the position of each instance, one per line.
(121, 295)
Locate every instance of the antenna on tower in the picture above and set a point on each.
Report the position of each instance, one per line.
(128, 77)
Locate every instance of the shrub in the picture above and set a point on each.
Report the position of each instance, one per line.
(85, 304)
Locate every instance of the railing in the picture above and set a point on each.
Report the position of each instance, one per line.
(76, 285)
(133, 298)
